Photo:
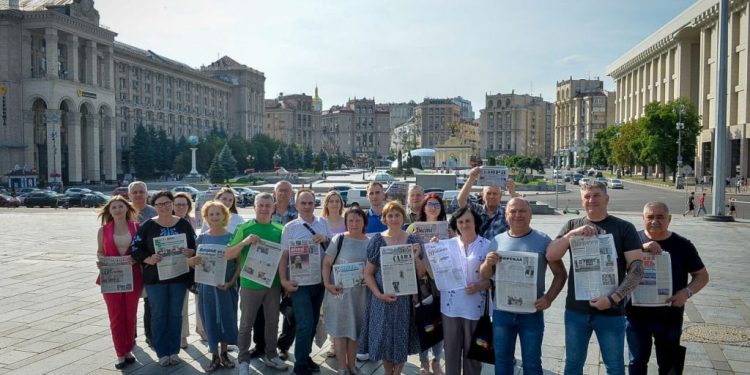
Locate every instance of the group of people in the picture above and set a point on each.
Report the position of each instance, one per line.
(690, 205)
(363, 321)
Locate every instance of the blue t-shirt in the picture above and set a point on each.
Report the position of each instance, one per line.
(533, 242)
(374, 225)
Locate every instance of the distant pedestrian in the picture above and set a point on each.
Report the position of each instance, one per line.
(703, 183)
(701, 205)
(733, 207)
(738, 186)
(690, 205)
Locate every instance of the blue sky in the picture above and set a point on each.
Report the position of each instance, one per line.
(396, 50)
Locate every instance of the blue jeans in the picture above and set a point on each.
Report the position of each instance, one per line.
(666, 337)
(610, 332)
(306, 302)
(166, 316)
(530, 329)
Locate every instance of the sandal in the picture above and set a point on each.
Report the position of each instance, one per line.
(226, 361)
(215, 363)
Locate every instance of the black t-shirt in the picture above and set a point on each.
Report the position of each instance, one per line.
(143, 247)
(625, 237)
(685, 260)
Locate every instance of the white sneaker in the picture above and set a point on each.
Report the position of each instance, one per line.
(276, 363)
(363, 357)
(244, 368)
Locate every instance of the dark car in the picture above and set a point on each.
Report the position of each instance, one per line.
(95, 199)
(576, 178)
(122, 190)
(8, 201)
(45, 199)
(74, 199)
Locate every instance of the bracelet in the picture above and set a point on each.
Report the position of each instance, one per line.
(689, 291)
(612, 302)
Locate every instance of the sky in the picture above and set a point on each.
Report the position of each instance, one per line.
(396, 50)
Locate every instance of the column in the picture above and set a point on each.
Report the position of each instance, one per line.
(91, 53)
(26, 54)
(109, 140)
(73, 61)
(109, 64)
(92, 147)
(75, 163)
(28, 138)
(743, 153)
(54, 149)
(50, 37)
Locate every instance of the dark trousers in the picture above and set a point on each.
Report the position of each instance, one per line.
(665, 336)
(147, 319)
(286, 339)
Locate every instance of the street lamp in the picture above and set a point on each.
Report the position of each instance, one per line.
(680, 126)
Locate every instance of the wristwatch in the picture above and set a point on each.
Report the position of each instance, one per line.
(612, 302)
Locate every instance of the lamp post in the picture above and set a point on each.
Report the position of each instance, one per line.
(680, 126)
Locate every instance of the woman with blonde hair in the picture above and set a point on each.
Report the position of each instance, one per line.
(333, 210)
(218, 304)
(119, 226)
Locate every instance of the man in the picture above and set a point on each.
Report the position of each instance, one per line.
(138, 195)
(376, 197)
(284, 212)
(491, 212)
(306, 299)
(701, 205)
(603, 314)
(690, 204)
(254, 295)
(416, 196)
(663, 325)
(529, 327)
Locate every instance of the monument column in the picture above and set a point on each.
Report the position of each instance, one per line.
(26, 54)
(92, 147)
(109, 145)
(73, 60)
(91, 56)
(75, 164)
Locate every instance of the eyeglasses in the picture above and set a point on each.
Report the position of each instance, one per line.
(163, 204)
(433, 204)
(180, 204)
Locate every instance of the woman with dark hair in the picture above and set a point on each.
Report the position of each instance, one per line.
(344, 308)
(165, 296)
(226, 196)
(432, 209)
(119, 225)
(462, 308)
(389, 327)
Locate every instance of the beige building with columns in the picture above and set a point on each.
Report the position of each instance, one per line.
(293, 119)
(359, 129)
(679, 60)
(516, 124)
(72, 96)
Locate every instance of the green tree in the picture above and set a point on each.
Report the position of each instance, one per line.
(228, 162)
(663, 134)
(601, 146)
(262, 148)
(399, 162)
(307, 157)
(216, 173)
(141, 152)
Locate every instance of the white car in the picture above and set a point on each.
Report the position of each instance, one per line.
(357, 197)
(380, 177)
(615, 184)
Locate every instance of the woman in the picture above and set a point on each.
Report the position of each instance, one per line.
(119, 225)
(226, 196)
(183, 207)
(333, 207)
(432, 209)
(390, 331)
(218, 303)
(462, 308)
(165, 296)
(344, 309)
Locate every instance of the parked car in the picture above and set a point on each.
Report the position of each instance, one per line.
(437, 191)
(45, 199)
(186, 189)
(343, 190)
(583, 180)
(75, 199)
(122, 190)
(602, 180)
(358, 197)
(8, 201)
(380, 177)
(615, 184)
(247, 196)
(576, 178)
(95, 199)
(74, 190)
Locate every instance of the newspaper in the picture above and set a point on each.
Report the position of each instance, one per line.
(656, 286)
(262, 263)
(116, 274)
(397, 268)
(493, 176)
(349, 275)
(304, 262)
(515, 280)
(594, 265)
(426, 230)
(173, 263)
(398, 191)
(213, 268)
(448, 266)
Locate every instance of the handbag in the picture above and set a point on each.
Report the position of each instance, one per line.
(481, 348)
(428, 319)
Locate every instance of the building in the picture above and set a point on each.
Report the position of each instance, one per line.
(467, 113)
(582, 108)
(317, 102)
(406, 136)
(679, 60)
(358, 129)
(399, 112)
(292, 119)
(433, 117)
(72, 96)
(516, 124)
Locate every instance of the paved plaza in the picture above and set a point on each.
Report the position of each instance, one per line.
(53, 319)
